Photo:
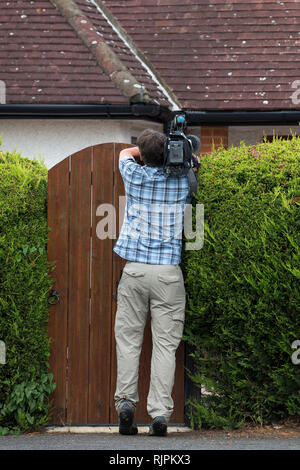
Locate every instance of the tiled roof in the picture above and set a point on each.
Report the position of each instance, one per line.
(43, 58)
(196, 54)
(126, 56)
(217, 54)
(43, 61)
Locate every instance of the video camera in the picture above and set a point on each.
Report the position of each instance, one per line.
(179, 148)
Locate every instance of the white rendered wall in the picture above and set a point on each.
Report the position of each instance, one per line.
(55, 139)
(253, 134)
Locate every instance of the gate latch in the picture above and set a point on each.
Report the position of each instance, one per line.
(53, 298)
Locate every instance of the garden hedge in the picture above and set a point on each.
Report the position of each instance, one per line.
(242, 312)
(25, 382)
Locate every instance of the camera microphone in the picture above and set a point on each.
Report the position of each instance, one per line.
(195, 141)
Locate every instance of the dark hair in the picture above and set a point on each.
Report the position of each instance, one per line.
(151, 145)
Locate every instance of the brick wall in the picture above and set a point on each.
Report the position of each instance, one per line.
(213, 135)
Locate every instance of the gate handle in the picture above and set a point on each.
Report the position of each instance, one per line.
(55, 294)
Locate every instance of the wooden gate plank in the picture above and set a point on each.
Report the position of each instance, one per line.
(79, 286)
(57, 250)
(100, 326)
(144, 375)
(117, 266)
(178, 390)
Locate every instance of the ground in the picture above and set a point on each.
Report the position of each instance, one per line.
(276, 437)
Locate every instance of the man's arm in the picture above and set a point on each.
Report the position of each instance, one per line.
(130, 152)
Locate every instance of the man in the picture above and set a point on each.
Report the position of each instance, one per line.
(151, 242)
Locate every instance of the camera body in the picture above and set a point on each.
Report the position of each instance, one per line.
(179, 148)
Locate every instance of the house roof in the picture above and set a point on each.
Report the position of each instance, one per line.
(216, 54)
(62, 51)
(197, 54)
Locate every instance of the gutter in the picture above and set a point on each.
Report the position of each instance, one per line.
(148, 112)
(241, 118)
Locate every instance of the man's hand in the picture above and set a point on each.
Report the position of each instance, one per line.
(197, 166)
(131, 152)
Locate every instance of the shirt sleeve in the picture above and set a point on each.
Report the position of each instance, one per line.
(127, 165)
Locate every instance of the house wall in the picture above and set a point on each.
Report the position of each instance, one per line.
(232, 135)
(253, 134)
(210, 136)
(55, 139)
(213, 136)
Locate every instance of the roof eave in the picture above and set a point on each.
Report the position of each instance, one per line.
(149, 112)
(242, 117)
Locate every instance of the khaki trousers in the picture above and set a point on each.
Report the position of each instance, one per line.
(160, 289)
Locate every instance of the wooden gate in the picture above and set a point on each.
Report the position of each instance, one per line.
(81, 324)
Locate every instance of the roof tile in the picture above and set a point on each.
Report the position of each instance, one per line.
(212, 54)
(35, 57)
(216, 54)
(38, 45)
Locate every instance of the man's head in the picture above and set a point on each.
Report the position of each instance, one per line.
(151, 145)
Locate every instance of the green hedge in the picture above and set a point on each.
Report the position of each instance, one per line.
(25, 382)
(243, 286)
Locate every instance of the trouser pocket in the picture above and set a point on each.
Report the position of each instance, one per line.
(173, 293)
(134, 271)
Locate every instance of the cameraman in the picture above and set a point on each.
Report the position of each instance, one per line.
(151, 279)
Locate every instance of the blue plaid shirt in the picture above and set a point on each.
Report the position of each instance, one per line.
(153, 221)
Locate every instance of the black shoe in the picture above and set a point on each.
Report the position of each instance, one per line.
(127, 423)
(158, 427)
